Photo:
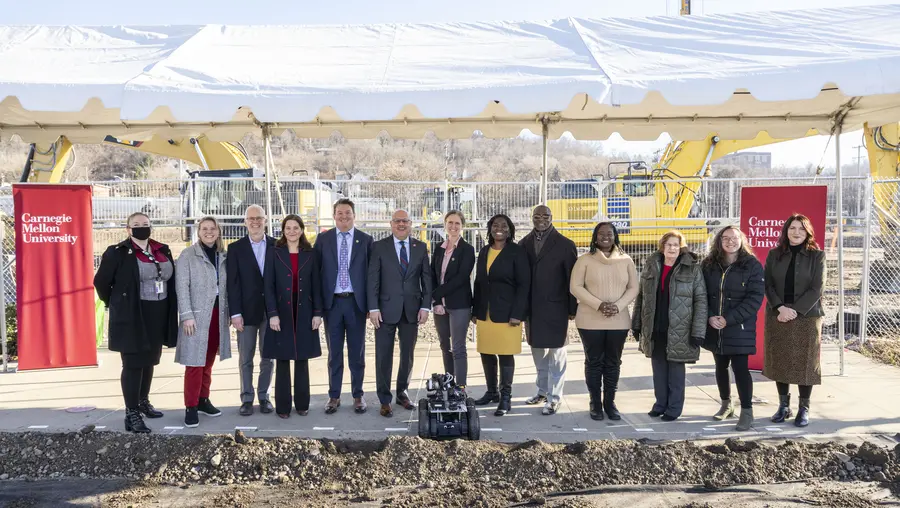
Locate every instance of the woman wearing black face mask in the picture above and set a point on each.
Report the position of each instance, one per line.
(136, 281)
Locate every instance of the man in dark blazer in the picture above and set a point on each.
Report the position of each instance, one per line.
(343, 254)
(247, 303)
(399, 293)
(552, 257)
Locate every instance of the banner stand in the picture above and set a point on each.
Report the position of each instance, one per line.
(55, 274)
(763, 212)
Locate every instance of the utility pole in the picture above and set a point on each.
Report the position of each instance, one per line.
(858, 158)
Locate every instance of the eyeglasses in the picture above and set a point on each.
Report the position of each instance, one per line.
(255, 219)
(400, 221)
(725, 239)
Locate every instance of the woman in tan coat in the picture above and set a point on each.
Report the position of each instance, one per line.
(604, 282)
(795, 281)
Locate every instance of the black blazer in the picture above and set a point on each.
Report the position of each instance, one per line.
(809, 281)
(117, 282)
(457, 286)
(505, 289)
(392, 293)
(245, 281)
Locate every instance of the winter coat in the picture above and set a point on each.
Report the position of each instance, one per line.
(809, 281)
(502, 293)
(550, 303)
(196, 283)
(736, 293)
(118, 285)
(687, 307)
(296, 340)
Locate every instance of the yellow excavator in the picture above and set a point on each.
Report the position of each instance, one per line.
(208, 191)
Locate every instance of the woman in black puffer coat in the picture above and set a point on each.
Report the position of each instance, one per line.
(735, 288)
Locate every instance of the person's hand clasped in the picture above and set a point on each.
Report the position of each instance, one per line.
(786, 314)
(717, 322)
(439, 310)
(316, 322)
(190, 326)
(609, 309)
(423, 316)
(238, 323)
(275, 323)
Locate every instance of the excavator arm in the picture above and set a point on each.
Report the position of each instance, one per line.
(47, 163)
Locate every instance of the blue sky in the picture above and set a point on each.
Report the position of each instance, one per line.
(172, 12)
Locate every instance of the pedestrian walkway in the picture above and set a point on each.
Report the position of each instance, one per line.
(860, 404)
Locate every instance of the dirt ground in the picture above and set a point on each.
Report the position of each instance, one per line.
(233, 470)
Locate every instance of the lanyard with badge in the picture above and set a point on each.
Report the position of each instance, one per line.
(160, 284)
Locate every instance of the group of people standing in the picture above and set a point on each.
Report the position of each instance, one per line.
(279, 294)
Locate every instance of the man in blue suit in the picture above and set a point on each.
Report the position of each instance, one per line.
(343, 254)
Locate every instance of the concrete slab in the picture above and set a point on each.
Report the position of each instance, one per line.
(859, 404)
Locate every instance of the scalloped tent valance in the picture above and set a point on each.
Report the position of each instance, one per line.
(737, 75)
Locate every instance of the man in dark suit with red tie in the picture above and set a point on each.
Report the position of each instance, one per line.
(343, 253)
(399, 293)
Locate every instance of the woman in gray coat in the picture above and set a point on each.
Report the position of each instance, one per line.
(670, 320)
(202, 311)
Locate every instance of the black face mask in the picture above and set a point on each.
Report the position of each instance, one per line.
(141, 233)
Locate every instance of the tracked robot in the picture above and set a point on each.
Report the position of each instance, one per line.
(446, 412)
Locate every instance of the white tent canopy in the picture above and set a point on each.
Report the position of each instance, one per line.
(736, 75)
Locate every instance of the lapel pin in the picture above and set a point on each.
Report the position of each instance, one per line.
(452, 259)
(129, 251)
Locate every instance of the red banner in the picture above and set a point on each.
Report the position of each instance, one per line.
(54, 276)
(763, 212)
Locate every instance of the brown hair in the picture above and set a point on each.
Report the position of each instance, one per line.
(673, 234)
(343, 201)
(784, 244)
(462, 218)
(282, 242)
(717, 253)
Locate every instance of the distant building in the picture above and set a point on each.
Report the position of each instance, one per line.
(746, 160)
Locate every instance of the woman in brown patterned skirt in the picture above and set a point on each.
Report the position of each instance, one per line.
(795, 281)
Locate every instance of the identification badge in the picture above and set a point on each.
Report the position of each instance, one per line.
(160, 287)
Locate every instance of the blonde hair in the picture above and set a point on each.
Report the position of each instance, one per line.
(220, 245)
(673, 234)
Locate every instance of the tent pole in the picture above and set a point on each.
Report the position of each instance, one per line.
(267, 136)
(839, 197)
(545, 129)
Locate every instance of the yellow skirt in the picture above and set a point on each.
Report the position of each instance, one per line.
(499, 338)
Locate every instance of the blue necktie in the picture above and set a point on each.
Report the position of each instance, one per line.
(404, 259)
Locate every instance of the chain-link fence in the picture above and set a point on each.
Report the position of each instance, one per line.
(696, 207)
(881, 300)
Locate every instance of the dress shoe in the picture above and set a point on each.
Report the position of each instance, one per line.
(246, 409)
(332, 406)
(654, 413)
(284, 416)
(359, 405)
(386, 411)
(488, 398)
(406, 404)
(596, 411)
(609, 405)
(303, 412)
(266, 407)
(669, 418)
(147, 409)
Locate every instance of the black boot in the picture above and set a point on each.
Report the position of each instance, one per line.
(134, 422)
(610, 386)
(490, 379)
(609, 405)
(506, 380)
(147, 409)
(802, 419)
(596, 410)
(784, 409)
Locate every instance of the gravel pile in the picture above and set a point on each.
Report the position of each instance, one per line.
(461, 472)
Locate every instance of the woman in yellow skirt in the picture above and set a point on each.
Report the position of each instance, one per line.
(499, 306)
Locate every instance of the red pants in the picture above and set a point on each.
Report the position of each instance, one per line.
(198, 379)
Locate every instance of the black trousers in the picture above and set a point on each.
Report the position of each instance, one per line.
(136, 385)
(283, 386)
(784, 389)
(385, 336)
(740, 366)
(602, 360)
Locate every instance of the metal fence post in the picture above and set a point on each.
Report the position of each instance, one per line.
(3, 299)
(869, 201)
(731, 197)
